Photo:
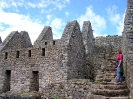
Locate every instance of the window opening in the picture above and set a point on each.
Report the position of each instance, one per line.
(46, 43)
(53, 42)
(29, 53)
(6, 55)
(43, 51)
(17, 55)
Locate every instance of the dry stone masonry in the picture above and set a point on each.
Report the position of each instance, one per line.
(88, 38)
(76, 66)
(26, 67)
(128, 45)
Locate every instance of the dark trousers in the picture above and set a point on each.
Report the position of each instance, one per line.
(120, 76)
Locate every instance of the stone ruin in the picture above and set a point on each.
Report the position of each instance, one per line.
(64, 67)
(26, 67)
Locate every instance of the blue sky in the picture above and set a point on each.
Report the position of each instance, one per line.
(106, 16)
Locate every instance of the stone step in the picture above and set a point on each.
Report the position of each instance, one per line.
(111, 62)
(120, 97)
(111, 59)
(104, 97)
(104, 79)
(110, 83)
(112, 87)
(106, 72)
(99, 97)
(105, 85)
(110, 65)
(111, 74)
(109, 69)
(106, 76)
(110, 93)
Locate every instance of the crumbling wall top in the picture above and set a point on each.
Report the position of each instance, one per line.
(0, 40)
(88, 38)
(26, 42)
(111, 42)
(67, 34)
(45, 35)
(16, 40)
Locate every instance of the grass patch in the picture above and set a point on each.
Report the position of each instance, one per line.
(57, 97)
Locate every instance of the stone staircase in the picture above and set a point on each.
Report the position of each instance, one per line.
(105, 86)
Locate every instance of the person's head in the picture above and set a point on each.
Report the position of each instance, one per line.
(119, 52)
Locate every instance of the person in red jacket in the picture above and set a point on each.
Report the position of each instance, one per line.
(119, 66)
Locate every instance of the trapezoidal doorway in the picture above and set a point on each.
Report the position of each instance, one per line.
(6, 86)
(34, 81)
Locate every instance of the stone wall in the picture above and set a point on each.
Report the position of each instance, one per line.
(16, 40)
(88, 38)
(22, 68)
(111, 43)
(104, 46)
(72, 89)
(49, 64)
(73, 51)
(28, 68)
(0, 40)
(128, 45)
(45, 36)
(25, 40)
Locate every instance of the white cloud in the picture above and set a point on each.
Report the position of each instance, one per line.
(45, 3)
(18, 22)
(34, 4)
(113, 16)
(11, 3)
(98, 22)
(31, 4)
(116, 19)
(57, 25)
(3, 4)
(120, 26)
(67, 1)
(67, 14)
(48, 17)
(1, 27)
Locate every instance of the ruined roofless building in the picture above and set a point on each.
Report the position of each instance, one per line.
(59, 67)
(26, 67)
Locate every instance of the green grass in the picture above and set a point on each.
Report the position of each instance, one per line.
(57, 97)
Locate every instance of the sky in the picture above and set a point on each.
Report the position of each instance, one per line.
(106, 16)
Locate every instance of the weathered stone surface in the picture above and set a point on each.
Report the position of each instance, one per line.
(15, 41)
(88, 38)
(44, 38)
(26, 42)
(73, 51)
(10, 41)
(26, 68)
(127, 47)
(0, 40)
(105, 85)
(66, 68)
